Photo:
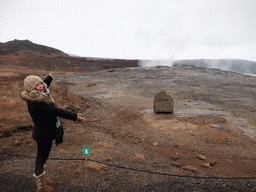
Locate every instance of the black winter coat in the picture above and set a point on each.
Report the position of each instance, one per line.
(44, 112)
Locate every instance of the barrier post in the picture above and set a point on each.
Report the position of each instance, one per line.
(86, 151)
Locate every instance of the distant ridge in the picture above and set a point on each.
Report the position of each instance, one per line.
(27, 48)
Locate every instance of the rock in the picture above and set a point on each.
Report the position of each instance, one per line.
(163, 103)
(155, 143)
(17, 143)
(176, 157)
(215, 126)
(141, 157)
(90, 84)
(206, 165)
(175, 145)
(212, 163)
(176, 164)
(190, 168)
(200, 157)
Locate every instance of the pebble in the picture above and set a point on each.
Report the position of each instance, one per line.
(155, 143)
(200, 157)
(175, 145)
(17, 143)
(176, 164)
(190, 168)
(215, 125)
(176, 157)
(206, 165)
(141, 157)
(213, 163)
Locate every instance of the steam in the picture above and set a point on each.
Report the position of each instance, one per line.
(235, 65)
(154, 63)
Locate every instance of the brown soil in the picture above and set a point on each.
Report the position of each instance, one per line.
(214, 117)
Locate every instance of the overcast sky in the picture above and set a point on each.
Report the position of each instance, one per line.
(135, 29)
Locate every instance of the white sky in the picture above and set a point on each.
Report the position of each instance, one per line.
(135, 29)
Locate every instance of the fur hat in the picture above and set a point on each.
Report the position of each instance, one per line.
(30, 94)
(31, 81)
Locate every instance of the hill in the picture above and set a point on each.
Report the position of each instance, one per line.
(30, 55)
(27, 48)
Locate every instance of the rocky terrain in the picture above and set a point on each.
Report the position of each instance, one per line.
(206, 144)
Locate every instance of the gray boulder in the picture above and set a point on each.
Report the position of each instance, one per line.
(163, 103)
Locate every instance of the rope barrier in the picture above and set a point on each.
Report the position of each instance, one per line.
(138, 170)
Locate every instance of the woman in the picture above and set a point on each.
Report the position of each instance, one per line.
(45, 115)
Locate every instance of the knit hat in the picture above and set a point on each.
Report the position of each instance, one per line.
(31, 81)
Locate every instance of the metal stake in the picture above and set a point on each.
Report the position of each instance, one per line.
(85, 173)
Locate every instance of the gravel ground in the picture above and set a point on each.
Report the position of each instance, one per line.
(120, 129)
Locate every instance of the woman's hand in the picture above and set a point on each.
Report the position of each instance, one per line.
(79, 118)
(52, 74)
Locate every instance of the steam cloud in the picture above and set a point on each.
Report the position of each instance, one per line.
(235, 65)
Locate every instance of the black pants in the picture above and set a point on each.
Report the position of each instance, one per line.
(43, 151)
